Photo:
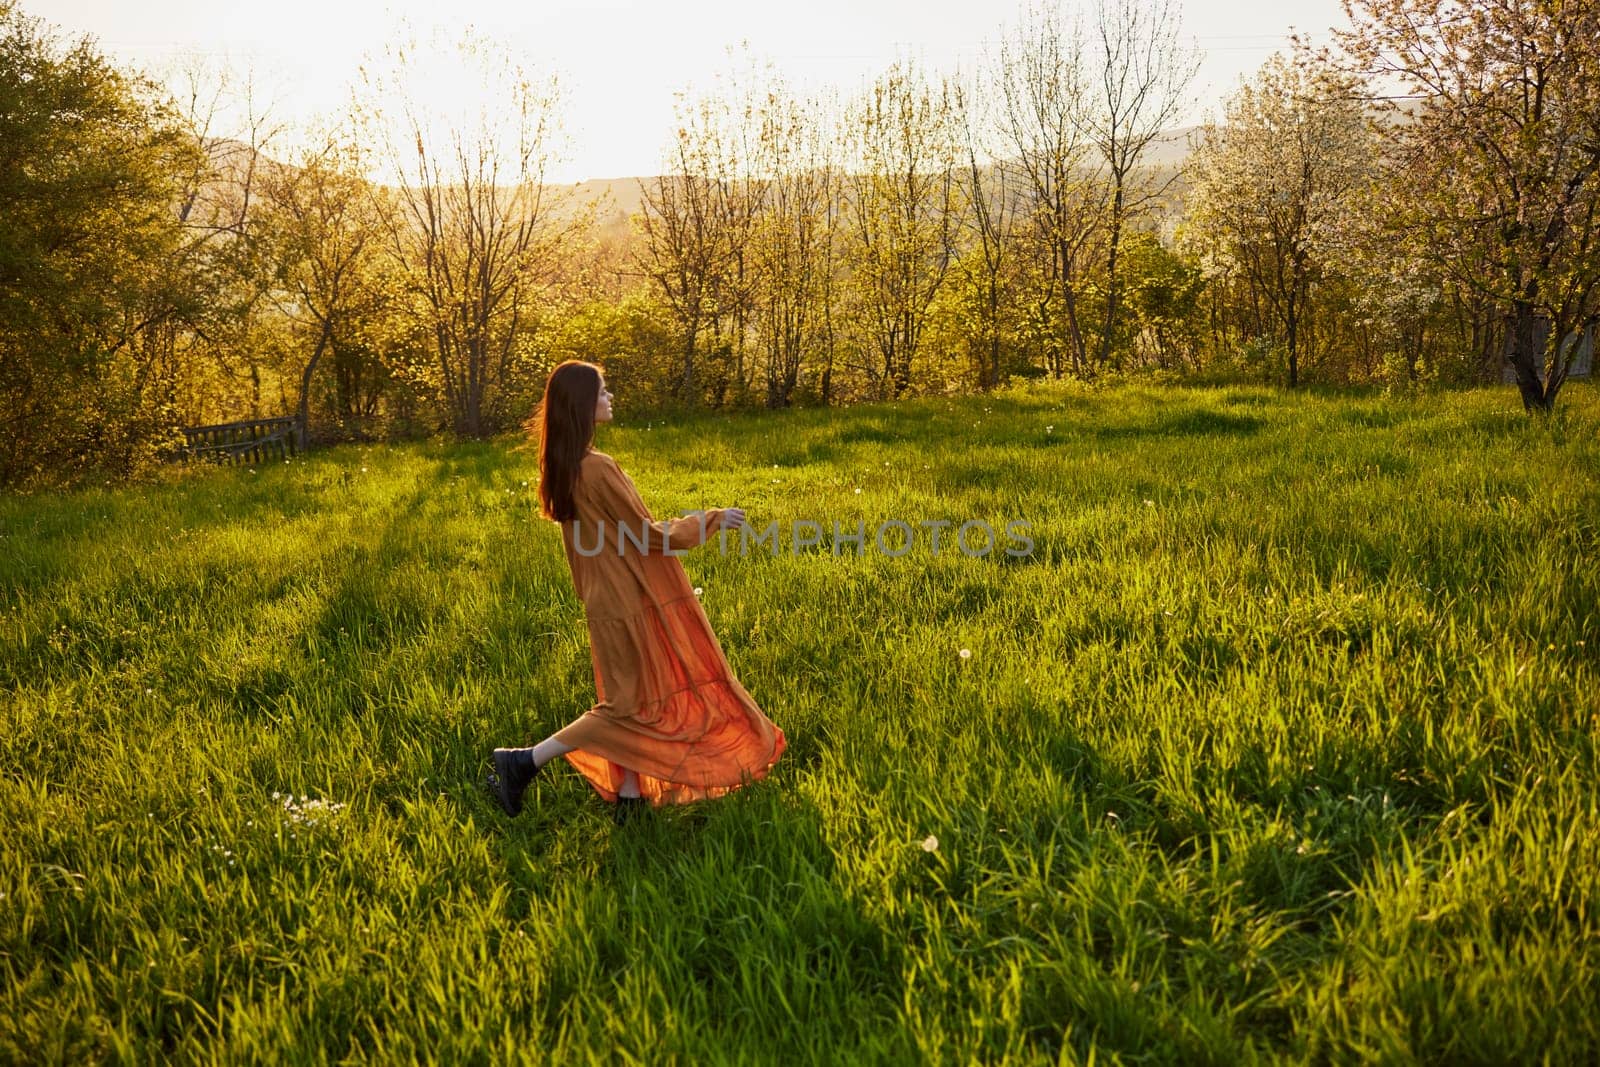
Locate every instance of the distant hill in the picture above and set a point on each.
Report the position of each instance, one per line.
(622, 197)
(1171, 148)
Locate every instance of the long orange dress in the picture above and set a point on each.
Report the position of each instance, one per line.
(668, 706)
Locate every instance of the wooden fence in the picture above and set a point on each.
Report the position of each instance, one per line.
(250, 441)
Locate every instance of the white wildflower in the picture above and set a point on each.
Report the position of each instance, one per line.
(308, 811)
(930, 844)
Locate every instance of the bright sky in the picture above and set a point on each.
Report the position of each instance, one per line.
(621, 61)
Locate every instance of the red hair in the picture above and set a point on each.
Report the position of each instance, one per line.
(564, 427)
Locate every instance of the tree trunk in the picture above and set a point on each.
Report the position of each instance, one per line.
(686, 383)
(305, 381)
(1294, 340)
(1527, 353)
(1111, 272)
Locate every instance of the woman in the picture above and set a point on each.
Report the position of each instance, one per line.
(671, 724)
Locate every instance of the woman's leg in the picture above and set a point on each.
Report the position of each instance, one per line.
(550, 748)
(519, 772)
(547, 750)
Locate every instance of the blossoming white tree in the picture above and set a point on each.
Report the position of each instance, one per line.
(1275, 190)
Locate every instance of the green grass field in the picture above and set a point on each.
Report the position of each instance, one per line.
(1279, 746)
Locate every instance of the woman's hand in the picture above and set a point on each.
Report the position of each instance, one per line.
(733, 519)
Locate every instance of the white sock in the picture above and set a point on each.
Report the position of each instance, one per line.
(547, 750)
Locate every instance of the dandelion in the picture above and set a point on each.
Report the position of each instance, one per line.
(363, 470)
(148, 691)
(698, 590)
(1049, 429)
(1149, 503)
(930, 844)
(966, 653)
(858, 490)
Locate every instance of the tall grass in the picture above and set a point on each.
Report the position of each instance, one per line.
(1280, 745)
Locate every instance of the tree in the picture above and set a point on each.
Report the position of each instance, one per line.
(1273, 191)
(325, 227)
(476, 234)
(902, 202)
(993, 195)
(90, 161)
(681, 248)
(1500, 155)
(792, 247)
(1140, 84)
(698, 223)
(1040, 76)
(230, 338)
(688, 231)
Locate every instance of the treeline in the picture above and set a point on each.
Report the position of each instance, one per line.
(1416, 203)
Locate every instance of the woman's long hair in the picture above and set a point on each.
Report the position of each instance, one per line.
(564, 427)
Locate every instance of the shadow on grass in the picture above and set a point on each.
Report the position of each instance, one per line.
(362, 618)
(1202, 423)
(731, 907)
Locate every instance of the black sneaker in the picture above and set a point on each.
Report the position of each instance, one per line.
(627, 807)
(513, 770)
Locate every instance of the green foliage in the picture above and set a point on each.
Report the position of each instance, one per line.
(90, 283)
(632, 339)
(1279, 746)
(1163, 293)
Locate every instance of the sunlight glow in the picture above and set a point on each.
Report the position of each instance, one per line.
(620, 62)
